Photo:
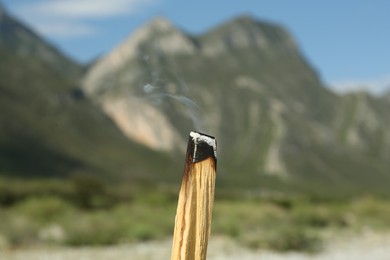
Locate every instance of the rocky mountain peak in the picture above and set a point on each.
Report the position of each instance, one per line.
(148, 125)
(161, 35)
(247, 32)
(247, 79)
(160, 23)
(156, 36)
(160, 54)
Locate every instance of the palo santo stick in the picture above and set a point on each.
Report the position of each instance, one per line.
(196, 198)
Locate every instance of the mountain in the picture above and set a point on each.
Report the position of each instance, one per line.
(48, 127)
(386, 96)
(17, 38)
(247, 83)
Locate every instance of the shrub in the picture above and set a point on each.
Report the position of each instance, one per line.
(142, 232)
(89, 192)
(292, 238)
(93, 229)
(282, 238)
(43, 209)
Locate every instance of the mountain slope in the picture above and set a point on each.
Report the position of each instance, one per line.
(17, 38)
(49, 128)
(246, 83)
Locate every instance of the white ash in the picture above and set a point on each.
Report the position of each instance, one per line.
(197, 138)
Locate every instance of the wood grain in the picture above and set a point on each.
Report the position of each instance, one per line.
(194, 210)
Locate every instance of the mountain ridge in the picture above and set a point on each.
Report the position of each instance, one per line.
(247, 31)
(22, 40)
(127, 49)
(244, 82)
(257, 94)
(49, 128)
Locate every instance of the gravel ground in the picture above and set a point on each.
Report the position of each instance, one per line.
(370, 246)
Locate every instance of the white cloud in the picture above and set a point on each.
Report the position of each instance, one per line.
(374, 86)
(84, 8)
(65, 29)
(75, 18)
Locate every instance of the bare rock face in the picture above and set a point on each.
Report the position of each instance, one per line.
(142, 123)
(120, 72)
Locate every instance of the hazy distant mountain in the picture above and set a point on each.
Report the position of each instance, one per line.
(47, 125)
(256, 93)
(245, 82)
(17, 38)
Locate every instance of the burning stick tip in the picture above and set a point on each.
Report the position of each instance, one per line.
(203, 146)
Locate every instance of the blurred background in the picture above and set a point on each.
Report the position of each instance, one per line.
(97, 99)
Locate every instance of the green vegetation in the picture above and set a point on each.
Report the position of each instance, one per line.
(57, 213)
(261, 96)
(268, 109)
(50, 130)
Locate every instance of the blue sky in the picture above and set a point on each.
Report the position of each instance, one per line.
(346, 41)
